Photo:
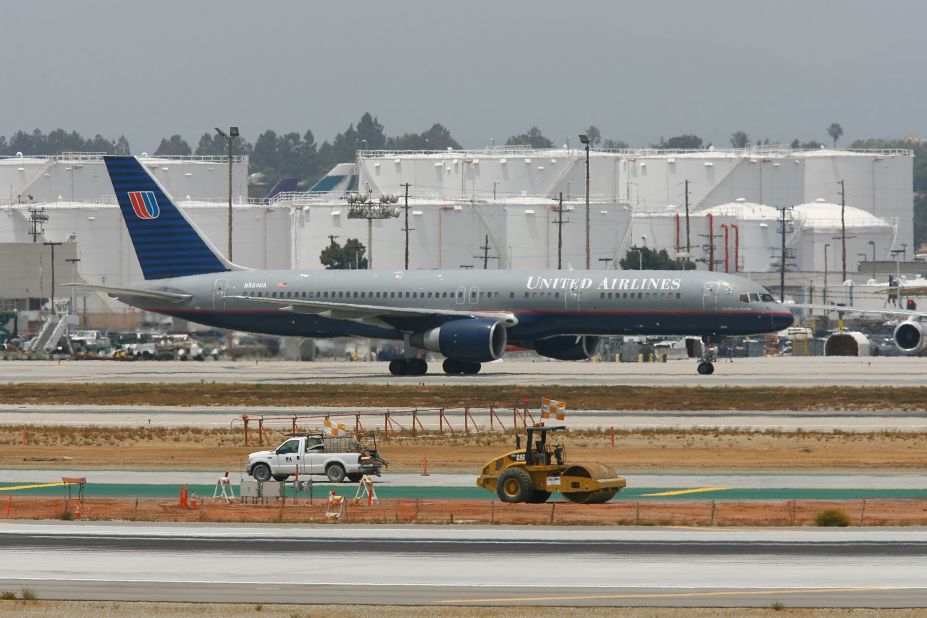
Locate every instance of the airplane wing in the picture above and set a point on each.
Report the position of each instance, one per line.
(905, 313)
(171, 297)
(373, 314)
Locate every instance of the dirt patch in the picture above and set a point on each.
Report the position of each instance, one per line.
(578, 397)
(429, 511)
(657, 450)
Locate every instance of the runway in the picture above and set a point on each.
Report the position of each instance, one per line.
(447, 566)
(767, 371)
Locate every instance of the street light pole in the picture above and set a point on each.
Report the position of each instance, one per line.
(872, 244)
(51, 303)
(826, 247)
(233, 132)
(584, 138)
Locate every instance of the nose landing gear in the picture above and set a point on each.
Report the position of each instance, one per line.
(709, 354)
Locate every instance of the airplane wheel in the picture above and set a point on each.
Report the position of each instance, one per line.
(398, 367)
(705, 368)
(417, 367)
(471, 369)
(452, 367)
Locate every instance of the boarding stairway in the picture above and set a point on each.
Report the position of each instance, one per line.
(50, 335)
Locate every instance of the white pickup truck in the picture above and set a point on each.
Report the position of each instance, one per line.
(315, 454)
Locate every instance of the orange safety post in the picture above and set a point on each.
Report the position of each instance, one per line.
(244, 420)
(294, 424)
(183, 495)
(425, 465)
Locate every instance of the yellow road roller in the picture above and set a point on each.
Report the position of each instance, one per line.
(533, 473)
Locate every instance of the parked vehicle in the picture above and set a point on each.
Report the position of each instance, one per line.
(337, 458)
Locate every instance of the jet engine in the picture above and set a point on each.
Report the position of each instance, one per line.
(910, 338)
(567, 347)
(471, 340)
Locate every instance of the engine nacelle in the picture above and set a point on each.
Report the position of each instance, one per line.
(910, 338)
(568, 347)
(470, 340)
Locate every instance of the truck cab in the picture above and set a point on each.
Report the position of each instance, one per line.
(337, 458)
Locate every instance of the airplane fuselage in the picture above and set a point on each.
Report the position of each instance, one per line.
(544, 303)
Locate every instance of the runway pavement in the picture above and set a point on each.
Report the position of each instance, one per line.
(449, 566)
(772, 371)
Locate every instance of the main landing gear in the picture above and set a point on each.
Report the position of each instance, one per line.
(408, 367)
(708, 356)
(455, 367)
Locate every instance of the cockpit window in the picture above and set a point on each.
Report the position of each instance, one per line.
(767, 298)
(744, 298)
(754, 297)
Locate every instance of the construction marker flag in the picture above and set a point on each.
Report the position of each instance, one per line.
(552, 407)
(332, 429)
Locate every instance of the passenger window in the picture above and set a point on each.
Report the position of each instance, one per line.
(640, 294)
(556, 294)
(526, 294)
(678, 295)
(378, 295)
(429, 294)
(511, 294)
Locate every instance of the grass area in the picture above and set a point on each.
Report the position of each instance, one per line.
(504, 396)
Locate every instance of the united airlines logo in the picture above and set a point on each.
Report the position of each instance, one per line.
(144, 204)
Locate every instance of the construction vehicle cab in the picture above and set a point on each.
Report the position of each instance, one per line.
(533, 473)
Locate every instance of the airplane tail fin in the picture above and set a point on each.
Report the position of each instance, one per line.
(284, 185)
(166, 242)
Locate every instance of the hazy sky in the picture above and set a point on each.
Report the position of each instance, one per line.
(484, 69)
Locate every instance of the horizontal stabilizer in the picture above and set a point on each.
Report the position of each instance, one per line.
(171, 297)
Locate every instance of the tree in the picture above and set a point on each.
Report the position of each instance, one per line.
(795, 144)
(435, 138)
(370, 133)
(653, 260)
(683, 142)
(595, 136)
(740, 139)
(348, 257)
(614, 144)
(532, 138)
(835, 131)
(175, 146)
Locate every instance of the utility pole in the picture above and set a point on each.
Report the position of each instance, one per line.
(559, 223)
(52, 297)
(843, 228)
(485, 257)
(785, 254)
(37, 219)
(233, 133)
(688, 243)
(407, 229)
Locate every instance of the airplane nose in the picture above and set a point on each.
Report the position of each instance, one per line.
(781, 321)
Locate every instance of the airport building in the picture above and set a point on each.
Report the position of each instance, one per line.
(494, 208)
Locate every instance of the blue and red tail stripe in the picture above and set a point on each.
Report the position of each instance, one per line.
(166, 243)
